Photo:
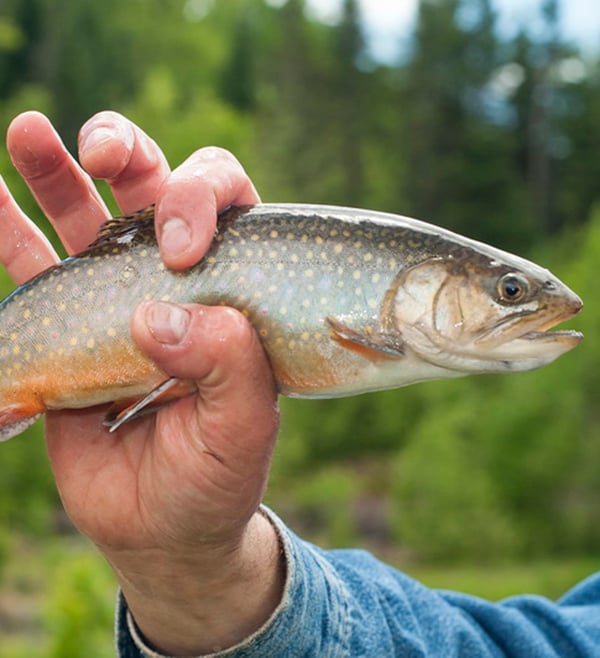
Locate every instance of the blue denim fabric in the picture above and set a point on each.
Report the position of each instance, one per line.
(345, 603)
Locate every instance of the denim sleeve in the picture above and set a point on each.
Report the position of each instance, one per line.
(345, 603)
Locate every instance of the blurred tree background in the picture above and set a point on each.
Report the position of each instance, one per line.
(495, 137)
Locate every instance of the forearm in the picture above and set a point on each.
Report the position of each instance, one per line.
(194, 605)
(347, 603)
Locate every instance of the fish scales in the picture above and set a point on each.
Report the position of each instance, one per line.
(334, 294)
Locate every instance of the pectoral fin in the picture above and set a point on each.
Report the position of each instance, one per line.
(169, 390)
(372, 345)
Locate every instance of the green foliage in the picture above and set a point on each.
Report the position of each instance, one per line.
(77, 611)
(471, 130)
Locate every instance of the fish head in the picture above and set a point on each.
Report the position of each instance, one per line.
(484, 313)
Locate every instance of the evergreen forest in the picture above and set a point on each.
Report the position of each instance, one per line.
(488, 478)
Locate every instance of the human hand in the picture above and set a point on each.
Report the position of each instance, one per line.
(170, 499)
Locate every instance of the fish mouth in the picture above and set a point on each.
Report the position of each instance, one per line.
(545, 330)
(534, 325)
(539, 343)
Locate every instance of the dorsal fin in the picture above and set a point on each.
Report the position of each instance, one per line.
(125, 228)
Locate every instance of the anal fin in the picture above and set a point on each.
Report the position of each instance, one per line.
(167, 391)
(16, 419)
(372, 345)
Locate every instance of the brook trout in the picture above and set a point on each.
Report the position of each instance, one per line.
(344, 301)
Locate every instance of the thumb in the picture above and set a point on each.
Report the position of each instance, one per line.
(217, 348)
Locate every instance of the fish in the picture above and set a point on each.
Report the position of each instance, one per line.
(344, 300)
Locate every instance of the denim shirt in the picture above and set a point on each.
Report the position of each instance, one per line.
(346, 603)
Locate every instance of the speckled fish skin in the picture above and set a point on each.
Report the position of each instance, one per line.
(344, 300)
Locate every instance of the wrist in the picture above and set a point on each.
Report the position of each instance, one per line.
(187, 606)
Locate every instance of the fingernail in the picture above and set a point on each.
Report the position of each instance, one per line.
(97, 134)
(168, 323)
(175, 237)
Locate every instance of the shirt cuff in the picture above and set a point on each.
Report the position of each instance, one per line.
(314, 599)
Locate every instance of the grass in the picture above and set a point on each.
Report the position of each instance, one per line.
(57, 596)
(547, 577)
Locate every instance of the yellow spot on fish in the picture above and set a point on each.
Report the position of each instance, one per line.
(59, 287)
(305, 335)
(255, 237)
(338, 248)
(372, 303)
(91, 343)
(273, 234)
(73, 341)
(356, 275)
(292, 344)
(368, 257)
(27, 314)
(211, 259)
(375, 278)
(308, 273)
(283, 310)
(112, 332)
(233, 252)
(14, 336)
(90, 271)
(16, 350)
(62, 306)
(39, 348)
(319, 239)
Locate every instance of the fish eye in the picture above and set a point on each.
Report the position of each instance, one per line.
(512, 288)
